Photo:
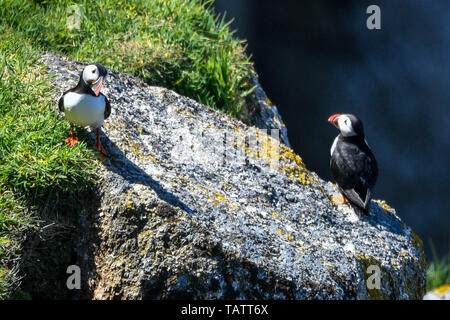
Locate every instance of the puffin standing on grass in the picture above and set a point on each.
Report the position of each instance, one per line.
(85, 105)
(353, 165)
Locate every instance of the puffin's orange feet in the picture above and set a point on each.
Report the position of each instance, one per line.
(340, 199)
(98, 144)
(101, 149)
(72, 140)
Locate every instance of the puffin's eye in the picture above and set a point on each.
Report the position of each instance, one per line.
(93, 71)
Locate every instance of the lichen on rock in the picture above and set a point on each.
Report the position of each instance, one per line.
(194, 204)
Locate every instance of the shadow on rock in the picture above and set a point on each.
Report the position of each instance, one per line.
(381, 217)
(66, 236)
(121, 165)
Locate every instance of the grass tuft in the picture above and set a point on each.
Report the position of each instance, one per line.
(181, 45)
(438, 272)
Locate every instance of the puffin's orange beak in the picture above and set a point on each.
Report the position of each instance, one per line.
(333, 119)
(99, 86)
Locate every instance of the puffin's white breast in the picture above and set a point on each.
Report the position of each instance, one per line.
(84, 109)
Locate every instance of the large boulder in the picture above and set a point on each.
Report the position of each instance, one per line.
(195, 204)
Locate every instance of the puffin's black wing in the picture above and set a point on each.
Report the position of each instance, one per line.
(355, 170)
(348, 181)
(369, 173)
(61, 104)
(107, 107)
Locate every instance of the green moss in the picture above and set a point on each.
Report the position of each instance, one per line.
(418, 244)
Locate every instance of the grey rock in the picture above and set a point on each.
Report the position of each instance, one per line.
(183, 214)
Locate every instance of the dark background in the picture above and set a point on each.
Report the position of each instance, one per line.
(316, 58)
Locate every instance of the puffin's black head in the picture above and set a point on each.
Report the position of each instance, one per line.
(93, 76)
(348, 124)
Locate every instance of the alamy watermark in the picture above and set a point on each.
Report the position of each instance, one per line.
(73, 17)
(217, 147)
(74, 280)
(374, 20)
(374, 280)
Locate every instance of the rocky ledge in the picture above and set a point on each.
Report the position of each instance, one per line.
(194, 204)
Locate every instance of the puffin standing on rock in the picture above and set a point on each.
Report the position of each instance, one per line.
(353, 165)
(85, 105)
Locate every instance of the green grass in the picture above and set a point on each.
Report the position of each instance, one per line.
(438, 272)
(34, 163)
(178, 44)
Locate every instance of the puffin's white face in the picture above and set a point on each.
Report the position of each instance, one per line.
(92, 77)
(345, 126)
(91, 74)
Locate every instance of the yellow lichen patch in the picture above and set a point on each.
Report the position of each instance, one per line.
(327, 263)
(180, 110)
(134, 147)
(282, 233)
(216, 197)
(384, 205)
(442, 289)
(276, 215)
(149, 157)
(173, 280)
(292, 165)
(262, 146)
(395, 265)
(403, 257)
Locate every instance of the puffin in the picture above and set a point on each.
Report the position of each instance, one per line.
(84, 105)
(353, 164)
